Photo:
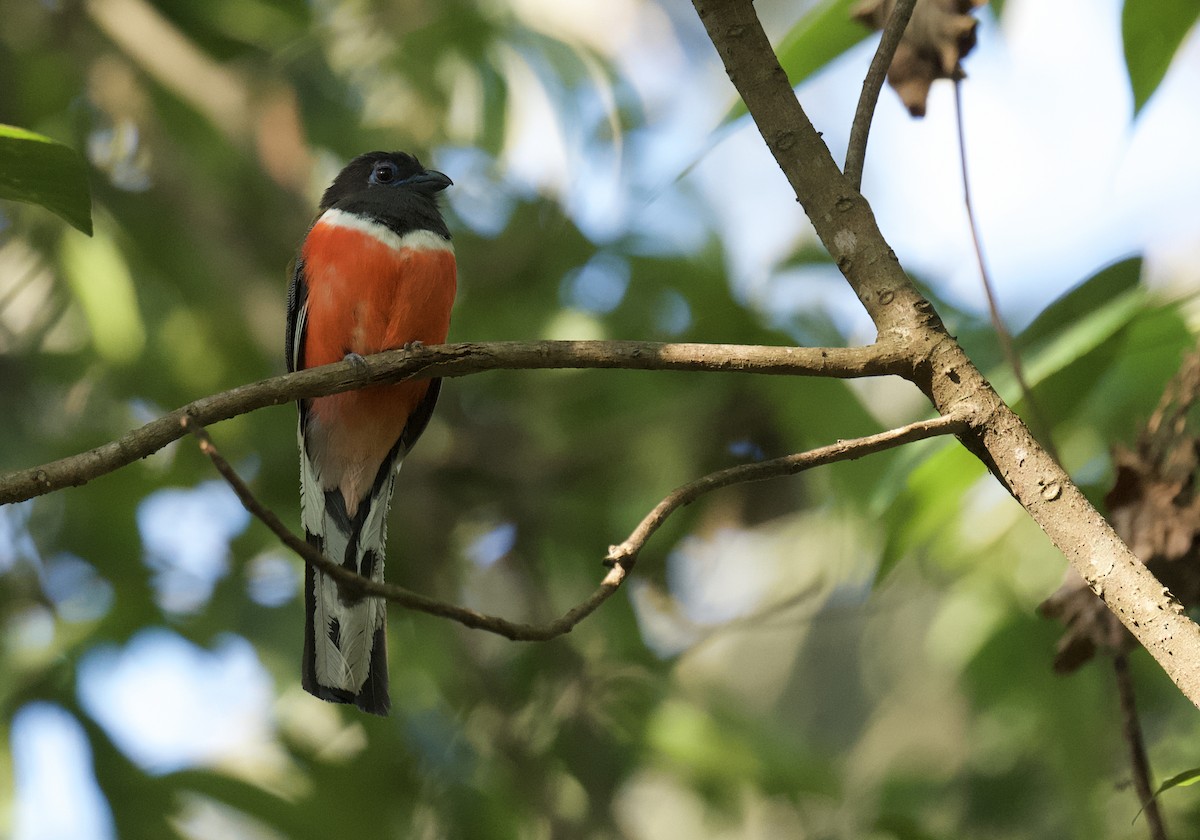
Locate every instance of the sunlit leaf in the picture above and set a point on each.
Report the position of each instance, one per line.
(819, 37)
(1082, 337)
(1077, 302)
(37, 170)
(1185, 779)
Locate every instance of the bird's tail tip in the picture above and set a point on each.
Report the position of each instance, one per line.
(373, 696)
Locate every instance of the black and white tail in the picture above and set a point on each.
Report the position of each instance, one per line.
(345, 639)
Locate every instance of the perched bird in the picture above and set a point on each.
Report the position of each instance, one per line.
(376, 272)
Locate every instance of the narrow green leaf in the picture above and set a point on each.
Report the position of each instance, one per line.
(1081, 300)
(821, 36)
(1079, 339)
(37, 170)
(1152, 31)
(818, 38)
(1184, 779)
(1076, 324)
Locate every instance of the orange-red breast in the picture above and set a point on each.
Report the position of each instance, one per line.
(375, 272)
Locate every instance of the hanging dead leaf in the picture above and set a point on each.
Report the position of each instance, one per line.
(939, 34)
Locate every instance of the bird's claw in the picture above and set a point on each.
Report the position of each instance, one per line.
(357, 362)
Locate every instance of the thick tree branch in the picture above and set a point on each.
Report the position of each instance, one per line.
(844, 222)
(864, 114)
(449, 360)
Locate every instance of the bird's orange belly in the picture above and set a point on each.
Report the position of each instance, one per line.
(365, 297)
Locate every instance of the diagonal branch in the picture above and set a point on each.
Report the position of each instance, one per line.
(1135, 742)
(626, 553)
(845, 224)
(450, 360)
(620, 558)
(864, 114)
(359, 585)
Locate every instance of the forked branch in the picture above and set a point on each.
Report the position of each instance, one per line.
(846, 226)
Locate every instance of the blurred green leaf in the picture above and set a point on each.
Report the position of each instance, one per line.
(1080, 338)
(1184, 779)
(1082, 299)
(823, 34)
(37, 170)
(818, 38)
(1152, 31)
(919, 517)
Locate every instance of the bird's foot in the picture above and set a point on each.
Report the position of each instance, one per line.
(357, 362)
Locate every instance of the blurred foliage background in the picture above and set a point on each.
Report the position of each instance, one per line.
(852, 653)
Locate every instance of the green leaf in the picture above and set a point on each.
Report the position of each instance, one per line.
(38, 170)
(1081, 338)
(1152, 31)
(1077, 323)
(818, 38)
(1184, 779)
(821, 36)
(1082, 299)
(920, 516)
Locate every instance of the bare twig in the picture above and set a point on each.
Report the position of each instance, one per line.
(450, 360)
(620, 559)
(626, 552)
(864, 114)
(359, 585)
(1139, 763)
(1007, 346)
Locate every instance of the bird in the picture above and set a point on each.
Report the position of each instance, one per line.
(376, 271)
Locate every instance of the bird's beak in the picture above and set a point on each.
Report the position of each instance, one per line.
(429, 181)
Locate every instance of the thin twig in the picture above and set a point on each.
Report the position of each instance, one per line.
(1007, 345)
(452, 360)
(620, 559)
(358, 585)
(864, 114)
(626, 552)
(1139, 763)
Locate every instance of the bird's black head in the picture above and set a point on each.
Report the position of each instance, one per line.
(391, 187)
(377, 171)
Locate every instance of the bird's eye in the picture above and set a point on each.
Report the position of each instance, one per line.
(384, 173)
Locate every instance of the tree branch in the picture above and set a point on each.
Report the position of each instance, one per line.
(620, 558)
(864, 114)
(356, 584)
(449, 360)
(845, 224)
(626, 553)
(1139, 762)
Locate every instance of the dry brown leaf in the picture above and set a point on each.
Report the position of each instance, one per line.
(939, 35)
(1154, 505)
